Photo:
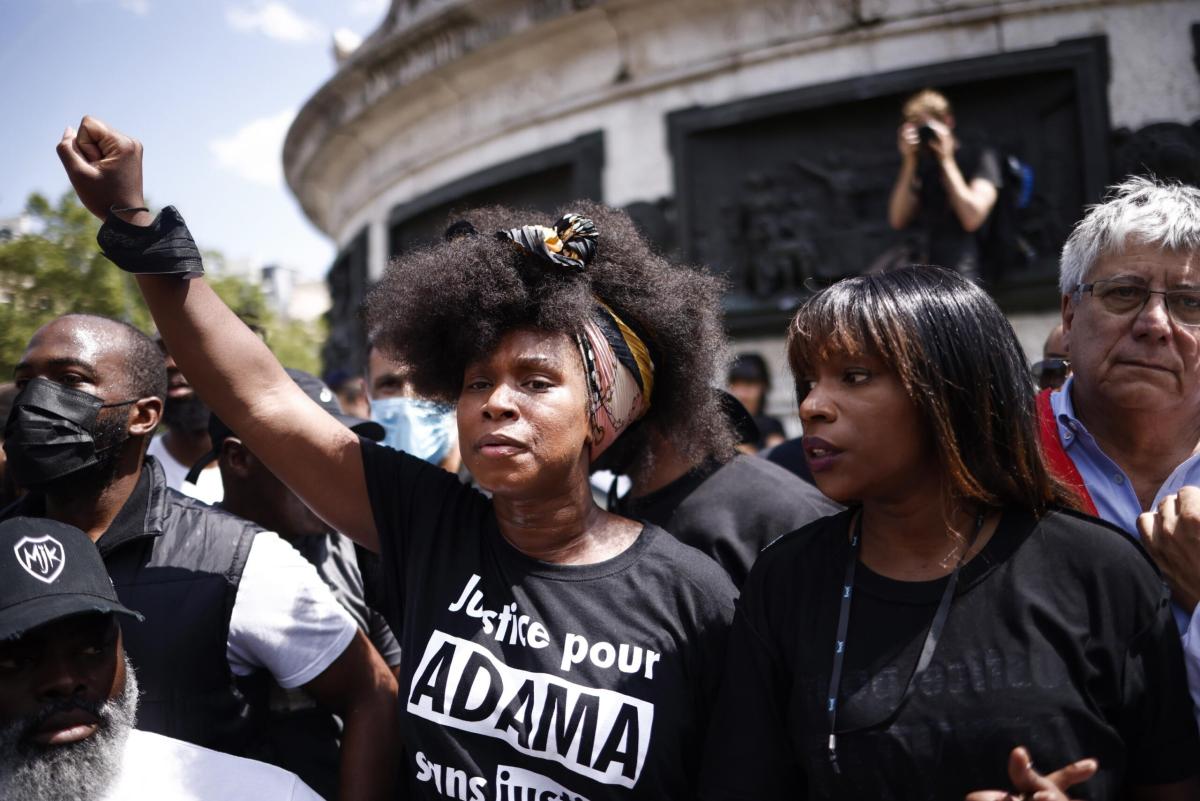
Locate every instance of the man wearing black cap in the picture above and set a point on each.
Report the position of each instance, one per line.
(68, 694)
(226, 604)
(302, 736)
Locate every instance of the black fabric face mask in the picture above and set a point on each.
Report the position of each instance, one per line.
(51, 432)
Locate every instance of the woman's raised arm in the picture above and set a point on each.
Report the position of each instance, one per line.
(233, 370)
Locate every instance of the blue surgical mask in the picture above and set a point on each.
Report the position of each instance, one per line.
(420, 427)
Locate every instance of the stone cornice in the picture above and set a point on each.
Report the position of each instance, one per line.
(430, 58)
(413, 41)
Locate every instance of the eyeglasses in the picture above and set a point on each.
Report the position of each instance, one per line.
(1121, 298)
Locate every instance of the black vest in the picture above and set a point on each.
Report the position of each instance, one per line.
(178, 561)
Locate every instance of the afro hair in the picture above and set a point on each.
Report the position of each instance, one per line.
(439, 308)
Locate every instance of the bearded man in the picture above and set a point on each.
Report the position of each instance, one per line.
(69, 695)
(227, 605)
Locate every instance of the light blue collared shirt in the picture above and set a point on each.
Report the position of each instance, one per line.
(1110, 488)
(1112, 493)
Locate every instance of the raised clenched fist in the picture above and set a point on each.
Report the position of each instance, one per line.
(1171, 533)
(105, 167)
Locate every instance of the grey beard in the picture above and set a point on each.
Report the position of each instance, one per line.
(81, 771)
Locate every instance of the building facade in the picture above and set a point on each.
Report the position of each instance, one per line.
(754, 137)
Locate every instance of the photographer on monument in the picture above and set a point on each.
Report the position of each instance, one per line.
(945, 190)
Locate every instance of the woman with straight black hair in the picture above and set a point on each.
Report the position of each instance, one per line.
(957, 628)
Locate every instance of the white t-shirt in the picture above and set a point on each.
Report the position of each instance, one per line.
(208, 486)
(285, 619)
(154, 768)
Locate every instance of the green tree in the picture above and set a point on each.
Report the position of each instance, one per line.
(57, 271)
(296, 343)
(60, 270)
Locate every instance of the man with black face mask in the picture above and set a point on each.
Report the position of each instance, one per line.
(185, 417)
(226, 604)
(76, 448)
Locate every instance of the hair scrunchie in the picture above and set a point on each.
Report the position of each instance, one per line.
(570, 243)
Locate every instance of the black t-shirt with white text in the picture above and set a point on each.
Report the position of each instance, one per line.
(524, 679)
(1059, 638)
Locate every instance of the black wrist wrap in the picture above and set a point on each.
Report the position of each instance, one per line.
(165, 247)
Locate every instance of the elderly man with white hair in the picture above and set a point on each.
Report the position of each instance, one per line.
(1125, 428)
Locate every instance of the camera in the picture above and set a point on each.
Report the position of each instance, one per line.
(926, 134)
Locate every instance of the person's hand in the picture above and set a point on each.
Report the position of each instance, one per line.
(908, 142)
(1029, 785)
(942, 143)
(1172, 536)
(105, 167)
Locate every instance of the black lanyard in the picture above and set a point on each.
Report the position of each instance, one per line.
(931, 637)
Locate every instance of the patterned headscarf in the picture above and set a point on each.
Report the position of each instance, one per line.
(619, 369)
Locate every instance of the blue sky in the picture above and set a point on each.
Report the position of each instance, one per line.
(209, 86)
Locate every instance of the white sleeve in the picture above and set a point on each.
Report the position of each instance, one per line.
(1191, 658)
(285, 618)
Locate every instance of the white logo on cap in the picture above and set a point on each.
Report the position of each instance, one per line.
(42, 557)
(326, 395)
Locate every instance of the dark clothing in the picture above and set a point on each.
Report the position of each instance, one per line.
(336, 561)
(731, 511)
(590, 681)
(1059, 638)
(790, 456)
(302, 736)
(178, 562)
(943, 241)
(768, 426)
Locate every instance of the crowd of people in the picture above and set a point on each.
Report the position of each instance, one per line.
(958, 583)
